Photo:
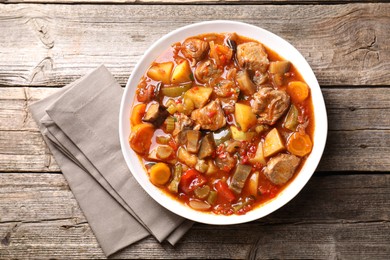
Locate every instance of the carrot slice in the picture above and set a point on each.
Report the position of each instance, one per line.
(160, 173)
(298, 90)
(299, 144)
(141, 138)
(137, 114)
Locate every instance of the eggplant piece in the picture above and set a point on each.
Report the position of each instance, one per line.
(239, 177)
(245, 83)
(207, 147)
(155, 114)
(279, 67)
(192, 140)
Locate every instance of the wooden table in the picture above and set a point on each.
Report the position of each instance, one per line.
(343, 212)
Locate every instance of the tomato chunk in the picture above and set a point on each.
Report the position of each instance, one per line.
(190, 180)
(224, 192)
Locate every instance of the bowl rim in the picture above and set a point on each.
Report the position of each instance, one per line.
(320, 118)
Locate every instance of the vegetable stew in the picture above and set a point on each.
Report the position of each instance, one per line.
(222, 123)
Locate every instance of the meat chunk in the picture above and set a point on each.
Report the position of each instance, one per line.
(226, 162)
(281, 168)
(225, 88)
(210, 117)
(270, 104)
(182, 122)
(207, 70)
(195, 49)
(252, 56)
(228, 93)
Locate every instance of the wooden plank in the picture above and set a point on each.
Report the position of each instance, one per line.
(359, 136)
(309, 241)
(327, 219)
(255, 2)
(45, 46)
(348, 108)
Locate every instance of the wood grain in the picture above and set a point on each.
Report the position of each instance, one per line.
(358, 140)
(359, 136)
(52, 45)
(343, 211)
(41, 215)
(254, 2)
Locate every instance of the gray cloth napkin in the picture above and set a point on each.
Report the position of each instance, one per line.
(79, 123)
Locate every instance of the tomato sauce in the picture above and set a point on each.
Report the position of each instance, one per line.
(192, 185)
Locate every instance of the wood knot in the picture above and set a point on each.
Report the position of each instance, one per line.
(41, 29)
(7, 239)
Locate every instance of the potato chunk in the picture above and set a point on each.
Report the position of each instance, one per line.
(199, 95)
(244, 116)
(273, 143)
(161, 72)
(182, 73)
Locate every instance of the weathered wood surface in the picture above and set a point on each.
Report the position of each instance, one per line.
(343, 212)
(359, 131)
(253, 2)
(52, 45)
(338, 221)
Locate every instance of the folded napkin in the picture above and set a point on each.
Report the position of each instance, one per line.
(79, 123)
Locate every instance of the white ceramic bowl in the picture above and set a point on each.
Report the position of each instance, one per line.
(274, 42)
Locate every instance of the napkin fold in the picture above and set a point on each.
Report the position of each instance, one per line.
(79, 123)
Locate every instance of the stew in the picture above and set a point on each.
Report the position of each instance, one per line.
(222, 123)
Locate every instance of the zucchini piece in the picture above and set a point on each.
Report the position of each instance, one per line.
(174, 184)
(291, 120)
(240, 135)
(222, 135)
(175, 91)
